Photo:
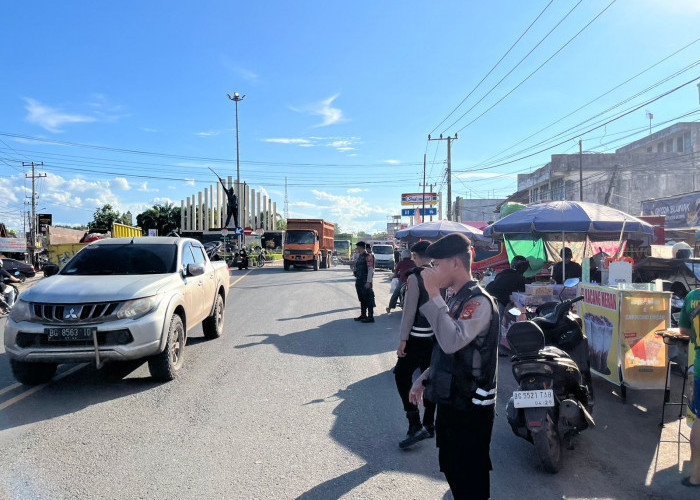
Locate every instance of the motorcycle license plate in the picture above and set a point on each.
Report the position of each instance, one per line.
(69, 333)
(533, 399)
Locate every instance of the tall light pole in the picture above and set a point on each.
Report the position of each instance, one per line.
(236, 98)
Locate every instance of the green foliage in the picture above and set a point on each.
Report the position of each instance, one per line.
(104, 217)
(281, 224)
(164, 218)
(77, 227)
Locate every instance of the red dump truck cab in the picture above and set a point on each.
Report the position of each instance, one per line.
(308, 243)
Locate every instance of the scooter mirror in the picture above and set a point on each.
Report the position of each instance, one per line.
(571, 282)
(514, 311)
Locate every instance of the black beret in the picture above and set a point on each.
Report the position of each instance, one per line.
(420, 247)
(361, 244)
(449, 246)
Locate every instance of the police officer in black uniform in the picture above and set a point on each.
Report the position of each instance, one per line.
(463, 369)
(364, 273)
(415, 348)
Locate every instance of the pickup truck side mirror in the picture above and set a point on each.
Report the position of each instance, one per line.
(195, 269)
(50, 270)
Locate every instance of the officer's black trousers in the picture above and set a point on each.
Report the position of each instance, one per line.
(418, 351)
(364, 295)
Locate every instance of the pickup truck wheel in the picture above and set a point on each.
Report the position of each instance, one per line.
(213, 326)
(32, 373)
(164, 366)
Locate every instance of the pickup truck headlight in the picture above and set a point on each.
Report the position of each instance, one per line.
(287, 252)
(20, 311)
(136, 308)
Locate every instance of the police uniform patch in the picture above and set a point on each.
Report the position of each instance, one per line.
(469, 309)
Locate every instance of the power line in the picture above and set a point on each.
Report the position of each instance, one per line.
(495, 66)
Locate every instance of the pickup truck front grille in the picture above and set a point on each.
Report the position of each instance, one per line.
(75, 313)
(301, 252)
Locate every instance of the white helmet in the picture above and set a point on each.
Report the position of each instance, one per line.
(0, 263)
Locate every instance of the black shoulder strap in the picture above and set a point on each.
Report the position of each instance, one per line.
(695, 312)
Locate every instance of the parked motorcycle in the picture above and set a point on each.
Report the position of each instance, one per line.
(554, 400)
(260, 258)
(9, 296)
(243, 260)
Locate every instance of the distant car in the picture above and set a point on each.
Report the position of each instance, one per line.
(12, 265)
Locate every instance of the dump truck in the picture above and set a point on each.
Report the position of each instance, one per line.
(308, 243)
(342, 249)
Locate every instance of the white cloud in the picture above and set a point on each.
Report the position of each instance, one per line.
(392, 162)
(353, 213)
(302, 204)
(325, 110)
(189, 182)
(121, 183)
(340, 143)
(298, 141)
(52, 119)
(208, 133)
(356, 190)
(342, 150)
(144, 188)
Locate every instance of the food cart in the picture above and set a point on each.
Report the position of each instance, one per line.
(621, 326)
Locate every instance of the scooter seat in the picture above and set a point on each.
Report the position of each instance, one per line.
(525, 337)
(554, 352)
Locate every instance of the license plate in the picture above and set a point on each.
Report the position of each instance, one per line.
(533, 399)
(69, 333)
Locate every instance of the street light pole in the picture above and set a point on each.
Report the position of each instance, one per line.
(236, 98)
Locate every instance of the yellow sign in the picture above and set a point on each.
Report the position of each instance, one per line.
(600, 312)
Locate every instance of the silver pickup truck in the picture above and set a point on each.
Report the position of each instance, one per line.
(118, 299)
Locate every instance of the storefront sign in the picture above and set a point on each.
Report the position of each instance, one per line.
(681, 212)
(417, 199)
(10, 245)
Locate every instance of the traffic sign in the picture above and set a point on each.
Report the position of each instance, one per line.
(224, 232)
(408, 212)
(247, 230)
(238, 231)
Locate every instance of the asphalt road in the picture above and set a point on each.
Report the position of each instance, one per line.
(296, 400)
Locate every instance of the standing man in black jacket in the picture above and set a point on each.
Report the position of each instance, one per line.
(364, 274)
(415, 347)
(463, 369)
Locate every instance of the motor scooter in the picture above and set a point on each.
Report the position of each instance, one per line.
(242, 259)
(554, 400)
(9, 296)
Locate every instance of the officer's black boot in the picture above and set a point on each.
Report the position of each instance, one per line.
(370, 316)
(363, 315)
(416, 432)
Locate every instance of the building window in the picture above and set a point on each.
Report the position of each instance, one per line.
(649, 149)
(686, 142)
(534, 195)
(558, 189)
(660, 147)
(669, 146)
(679, 145)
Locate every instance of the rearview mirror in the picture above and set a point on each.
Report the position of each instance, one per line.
(50, 270)
(571, 282)
(514, 311)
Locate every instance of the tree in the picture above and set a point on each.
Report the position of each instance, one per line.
(281, 223)
(164, 218)
(104, 217)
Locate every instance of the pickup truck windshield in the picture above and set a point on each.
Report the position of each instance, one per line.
(300, 237)
(123, 259)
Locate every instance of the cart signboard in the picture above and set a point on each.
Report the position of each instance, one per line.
(642, 314)
(600, 312)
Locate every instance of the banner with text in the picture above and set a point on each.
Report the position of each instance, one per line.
(600, 312)
(417, 199)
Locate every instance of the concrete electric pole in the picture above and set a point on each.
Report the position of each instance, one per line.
(449, 170)
(32, 224)
(237, 98)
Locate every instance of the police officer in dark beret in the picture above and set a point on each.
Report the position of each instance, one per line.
(462, 376)
(364, 273)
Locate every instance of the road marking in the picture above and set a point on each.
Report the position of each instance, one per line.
(239, 279)
(37, 388)
(9, 388)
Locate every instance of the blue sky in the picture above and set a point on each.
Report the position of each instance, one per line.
(340, 97)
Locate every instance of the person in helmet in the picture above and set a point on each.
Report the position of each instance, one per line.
(508, 281)
(4, 275)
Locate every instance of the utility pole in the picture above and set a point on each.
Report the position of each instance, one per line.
(449, 170)
(580, 170)
(237, 98)
(32, 224)
(286, 200)
(423, 212)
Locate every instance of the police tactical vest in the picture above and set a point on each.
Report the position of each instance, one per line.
(468, 376)
(361, 270)
(421, 326)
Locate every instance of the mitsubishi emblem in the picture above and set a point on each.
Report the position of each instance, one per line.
(70, 314)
